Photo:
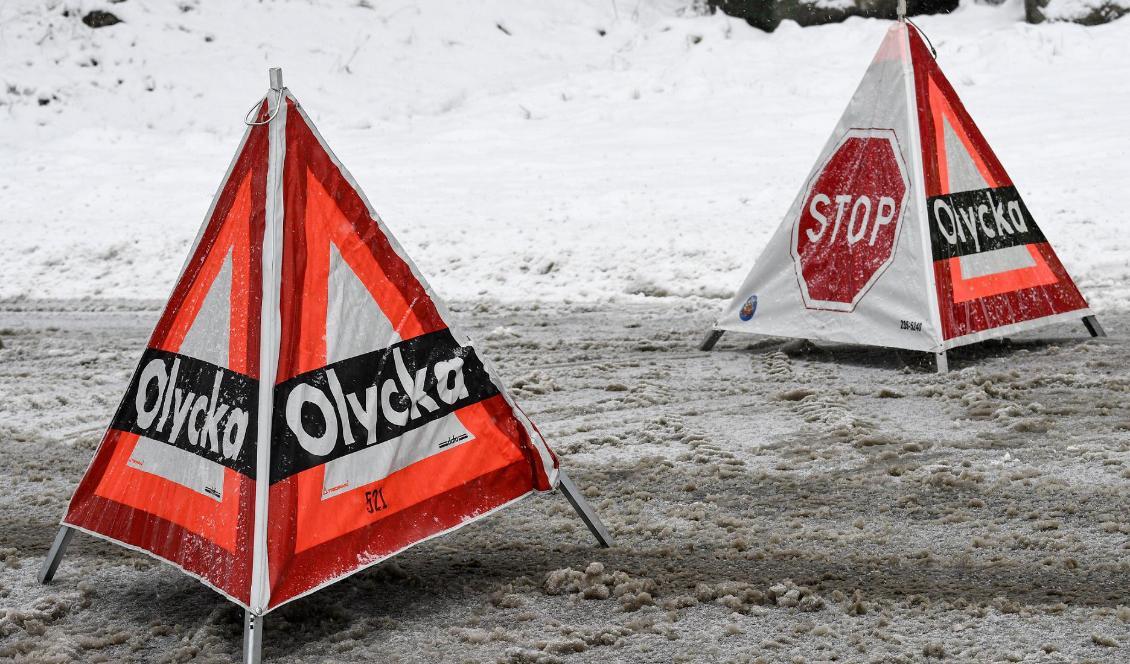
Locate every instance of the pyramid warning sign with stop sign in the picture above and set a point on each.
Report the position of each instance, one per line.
(908, 233)
(303, 409)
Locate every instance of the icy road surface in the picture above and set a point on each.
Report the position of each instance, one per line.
(771, 503)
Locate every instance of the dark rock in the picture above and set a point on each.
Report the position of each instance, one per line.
(1033, 10)
(100, 19)
(1095, 14)
(768, 14)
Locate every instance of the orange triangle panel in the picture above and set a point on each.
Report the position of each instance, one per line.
(383, 438)
(993, 266)
(174, 474)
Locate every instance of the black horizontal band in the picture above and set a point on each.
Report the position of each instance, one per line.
(193, 405)
(971, 222)
(365, 382)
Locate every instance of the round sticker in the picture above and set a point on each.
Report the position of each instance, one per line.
(748, 308)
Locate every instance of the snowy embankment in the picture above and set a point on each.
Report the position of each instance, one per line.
(588, 152)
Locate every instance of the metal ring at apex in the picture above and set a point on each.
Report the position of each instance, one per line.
(278, 104)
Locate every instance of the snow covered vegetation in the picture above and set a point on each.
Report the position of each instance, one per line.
(1087, 12)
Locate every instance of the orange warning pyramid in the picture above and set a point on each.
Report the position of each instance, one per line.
(303, 409)
(993, 267)
(908, 232)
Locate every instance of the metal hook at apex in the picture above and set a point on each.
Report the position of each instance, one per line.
(933, 51)
(275, 74)
(278, 103)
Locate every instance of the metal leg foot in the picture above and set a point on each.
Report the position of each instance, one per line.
(1093, 326)
(943, 363)
(252, 638)
(712, 338)
(584, 510)
(55, 555)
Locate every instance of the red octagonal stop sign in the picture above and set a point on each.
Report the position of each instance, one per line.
(848, 227)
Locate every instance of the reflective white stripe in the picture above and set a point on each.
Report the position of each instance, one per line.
(918, 189)
(268, 352)
(996, 261)
(189, 470)
(377, 462)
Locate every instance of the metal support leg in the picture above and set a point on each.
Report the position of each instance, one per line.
(712, 338)
(55, 555)
(943, 363)
(1093, 326)
(584, 510)
(252, 638)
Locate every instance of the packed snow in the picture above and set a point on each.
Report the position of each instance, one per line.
(587, 182)
(594, 151)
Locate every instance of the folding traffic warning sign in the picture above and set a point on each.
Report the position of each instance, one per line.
(908, 232)
(303, 409)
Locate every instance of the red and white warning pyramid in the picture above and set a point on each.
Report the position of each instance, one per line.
(908, 232)
(303, 409)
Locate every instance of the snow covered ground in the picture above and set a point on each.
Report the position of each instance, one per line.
(583, 151)
(844, 505)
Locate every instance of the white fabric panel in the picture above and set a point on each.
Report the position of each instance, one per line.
(377, 462)
(998, 260)
(963, 173)
(181, 466)
(208, 338)
(355, 324)
(896, 310)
